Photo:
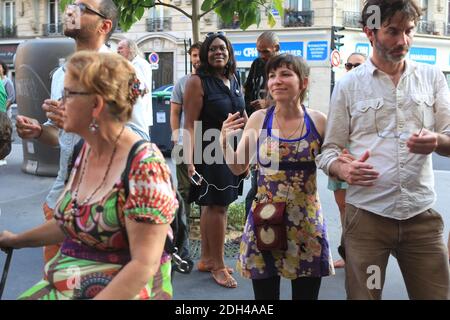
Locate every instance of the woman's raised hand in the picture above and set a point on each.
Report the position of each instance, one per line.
(231, 126)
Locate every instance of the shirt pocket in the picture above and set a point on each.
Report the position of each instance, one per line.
(367, 115)
(422, 110)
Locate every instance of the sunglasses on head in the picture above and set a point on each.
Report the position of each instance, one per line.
(350, 66)
(218, 33)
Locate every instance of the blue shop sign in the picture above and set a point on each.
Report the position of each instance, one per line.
(248, 52)
(317, 51)
(362, 48)
(424, 55)
(294, 48)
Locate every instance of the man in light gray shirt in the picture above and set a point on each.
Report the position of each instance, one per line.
(393, 113)
(177, 126)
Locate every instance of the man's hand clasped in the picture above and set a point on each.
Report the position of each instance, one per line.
(356, 171)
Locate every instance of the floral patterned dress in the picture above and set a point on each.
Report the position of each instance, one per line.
(96, 246)
(286, 168)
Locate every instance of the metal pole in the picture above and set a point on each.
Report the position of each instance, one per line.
(9, 253)
(185, 57)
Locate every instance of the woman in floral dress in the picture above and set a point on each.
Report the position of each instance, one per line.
(285, 138)
(112, 238)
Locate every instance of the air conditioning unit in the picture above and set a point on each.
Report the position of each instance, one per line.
(188, 2)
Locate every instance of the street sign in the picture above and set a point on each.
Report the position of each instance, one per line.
(155, 66)
(335, 58)
(153, 58)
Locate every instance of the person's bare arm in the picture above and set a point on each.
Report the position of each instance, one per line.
(239, 160)
(193, 104)
(46, 234)
(29, 128)
(175, 112)
(146, 248)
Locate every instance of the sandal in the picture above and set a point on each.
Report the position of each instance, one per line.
(223, 278)
(203, 267)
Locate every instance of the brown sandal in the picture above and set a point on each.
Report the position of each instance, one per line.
(223, 278)
(203, 267)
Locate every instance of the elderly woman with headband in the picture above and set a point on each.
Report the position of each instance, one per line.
(113, 227)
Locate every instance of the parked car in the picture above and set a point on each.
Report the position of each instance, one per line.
(163, 90)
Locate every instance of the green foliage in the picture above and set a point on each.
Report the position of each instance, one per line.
(236, 216)
(248, 11)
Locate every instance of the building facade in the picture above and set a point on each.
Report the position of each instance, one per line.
(304, 30)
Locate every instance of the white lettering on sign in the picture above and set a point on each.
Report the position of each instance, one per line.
(250, 52)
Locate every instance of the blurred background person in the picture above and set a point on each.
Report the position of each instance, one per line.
(9, 88)
(177, 126)
(338, 187)
(130, 51)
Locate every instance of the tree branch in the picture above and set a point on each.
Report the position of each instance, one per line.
(159, 3)
(218, 3)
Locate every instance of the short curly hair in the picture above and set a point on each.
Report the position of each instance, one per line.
(109, 75)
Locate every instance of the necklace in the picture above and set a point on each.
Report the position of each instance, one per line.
(75, 206)
(301, 124)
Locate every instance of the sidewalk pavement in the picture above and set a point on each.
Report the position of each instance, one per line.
(22, 196)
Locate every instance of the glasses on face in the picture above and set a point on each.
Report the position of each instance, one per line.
(407, 128)
(84, 8)
(69, 93)
(350, 66)
(218, 33)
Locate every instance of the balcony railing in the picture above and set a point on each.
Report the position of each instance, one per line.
(159, 24)
(52, 29)
(351, 19)
(8, 32)
(298, 18)
(229, 25)
(426, 27)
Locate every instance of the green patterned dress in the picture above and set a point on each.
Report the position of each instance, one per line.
(96, 246)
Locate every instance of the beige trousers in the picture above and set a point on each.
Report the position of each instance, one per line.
(417, 243)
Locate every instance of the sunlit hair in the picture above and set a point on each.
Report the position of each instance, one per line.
(294, 63)
(109, 75)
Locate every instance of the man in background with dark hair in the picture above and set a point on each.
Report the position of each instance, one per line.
(268, 45)
(393, 113)
(177, 126)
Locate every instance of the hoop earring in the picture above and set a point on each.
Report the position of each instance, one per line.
(93, 127)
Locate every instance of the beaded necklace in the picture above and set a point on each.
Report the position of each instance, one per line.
(75, 205)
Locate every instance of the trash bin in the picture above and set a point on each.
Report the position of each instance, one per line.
(35, 62)
(161, 133)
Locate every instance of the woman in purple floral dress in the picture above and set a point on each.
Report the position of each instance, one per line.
(285, 138)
